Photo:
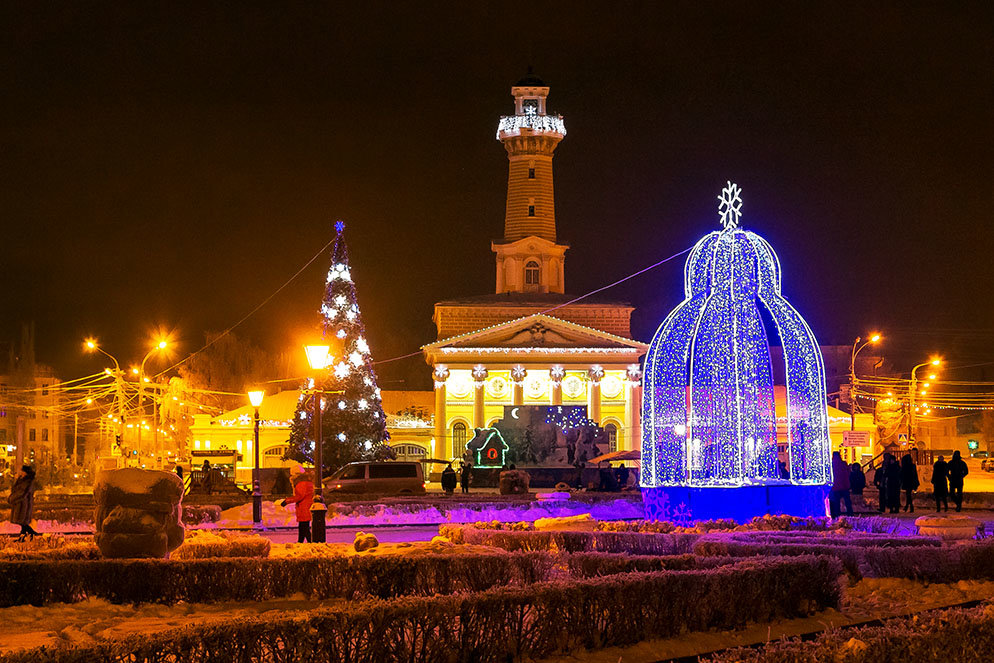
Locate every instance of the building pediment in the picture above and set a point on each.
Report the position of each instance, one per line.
(537, 332)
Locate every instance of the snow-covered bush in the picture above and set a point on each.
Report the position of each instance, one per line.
(633, 543)
(961, 635)
(531, 622)
(203, 544)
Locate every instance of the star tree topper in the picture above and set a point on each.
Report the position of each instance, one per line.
(730, 206)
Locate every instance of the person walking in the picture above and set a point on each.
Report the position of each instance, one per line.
(303, 497)
(957, 471)
(940, 487)
(857, 483)
(880, 481)
(909, 482)
(622, 474)
(465, 474)
(840, 486)
(449, 480)
(206, 481)
(893, 471)
(22, 501)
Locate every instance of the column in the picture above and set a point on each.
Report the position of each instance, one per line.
(594, 374)
(442, 442)
(556, 375)
(479, 385)
(518, 374)
(633, 407)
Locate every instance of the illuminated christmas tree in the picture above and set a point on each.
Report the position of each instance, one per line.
(353, 423)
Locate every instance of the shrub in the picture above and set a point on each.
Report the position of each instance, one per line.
(202, 544)
(54, 546)
(242, 579)
(614, 542)
(531, 622)
(927, 562)
(961, 635)
(199, 514)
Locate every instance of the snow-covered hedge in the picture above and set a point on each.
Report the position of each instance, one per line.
(240, 579)
(204, 544)
(922, 562)
(961, 635)
(557, 541)
(494, 626)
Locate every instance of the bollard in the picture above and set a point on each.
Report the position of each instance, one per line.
(318, 512)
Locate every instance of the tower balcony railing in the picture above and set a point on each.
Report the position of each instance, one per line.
(511, 125)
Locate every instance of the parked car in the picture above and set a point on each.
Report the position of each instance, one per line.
(980, 454)
(380, 478)
(987, 465)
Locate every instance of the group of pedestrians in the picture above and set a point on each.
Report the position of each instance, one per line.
(892, 477)
(848, 482)
(947, 481)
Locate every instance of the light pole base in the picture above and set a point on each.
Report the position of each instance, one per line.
(319, 510)
(257, 504)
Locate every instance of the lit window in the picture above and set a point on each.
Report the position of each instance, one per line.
(196, 444)
(612, 437)
(531, 210)
(532, 273)
(44, 435)
(458, 439)
(531, 173)
(207, 444)
(44, 390)
(31, 435)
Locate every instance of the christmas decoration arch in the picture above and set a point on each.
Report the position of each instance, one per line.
(709, 416)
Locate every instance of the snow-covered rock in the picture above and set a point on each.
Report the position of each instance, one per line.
(138, 512)
(951, 527)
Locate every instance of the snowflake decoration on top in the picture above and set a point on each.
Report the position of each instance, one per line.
(730, 206)
(339, 226)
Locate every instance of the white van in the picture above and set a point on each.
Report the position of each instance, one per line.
(379, 478)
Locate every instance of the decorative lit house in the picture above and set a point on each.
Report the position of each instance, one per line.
(529, 343)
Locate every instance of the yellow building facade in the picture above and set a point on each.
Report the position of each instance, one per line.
(529, 343)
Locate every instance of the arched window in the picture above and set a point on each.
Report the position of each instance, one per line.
(531, 273)
(410, 452)
(612, 437)
(458, 439)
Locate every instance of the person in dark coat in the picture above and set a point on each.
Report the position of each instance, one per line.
(893, 472)
(840, 486)
(622, 474)
(857, 483)
(940, 489)
(957, 470)
(22, 501)
(465, 474)
(909, 482)
(449, 479)
(206, 481)
(880, 481)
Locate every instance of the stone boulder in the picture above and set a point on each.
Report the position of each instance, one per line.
(514, 482)
(364, 542)
(138, 512)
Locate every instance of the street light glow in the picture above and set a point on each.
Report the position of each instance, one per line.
(874, 338)
(256, 396)
(318, 356)
(936, 362)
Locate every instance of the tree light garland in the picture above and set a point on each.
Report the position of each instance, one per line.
(708, 414)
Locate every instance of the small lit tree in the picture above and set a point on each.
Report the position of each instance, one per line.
(353, 424)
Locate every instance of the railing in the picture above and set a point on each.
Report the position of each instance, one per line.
(513, 124)
(215, 481)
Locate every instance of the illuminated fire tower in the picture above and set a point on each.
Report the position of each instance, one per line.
(529, 259)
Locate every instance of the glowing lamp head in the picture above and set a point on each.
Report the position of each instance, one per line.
(318, 356)
(90, 344)
(161, 345)
(932, 376)
(936, 362)
(134, 369)
(874, 338)
(256, 396)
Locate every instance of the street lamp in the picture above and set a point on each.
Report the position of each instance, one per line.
(92, 345)
(935, 361)
(318, 356)
(161, 345)
(255, 398)
(852, 376)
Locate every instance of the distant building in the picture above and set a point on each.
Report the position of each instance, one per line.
(35, 399)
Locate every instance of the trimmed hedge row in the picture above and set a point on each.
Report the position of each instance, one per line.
(961, 635)
(529, 622)
(929, 563)
(258, 579)
(227, 544)
(834, 540)
(613, 542)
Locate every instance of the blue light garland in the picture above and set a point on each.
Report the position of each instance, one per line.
(708, 409)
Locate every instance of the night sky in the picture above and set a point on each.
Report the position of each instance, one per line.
(172, 165)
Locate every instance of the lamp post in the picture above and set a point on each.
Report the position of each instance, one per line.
(91, 345)
(255, 398)
(161, 345)
(852, 376)
(318, 357)
(914, 389)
